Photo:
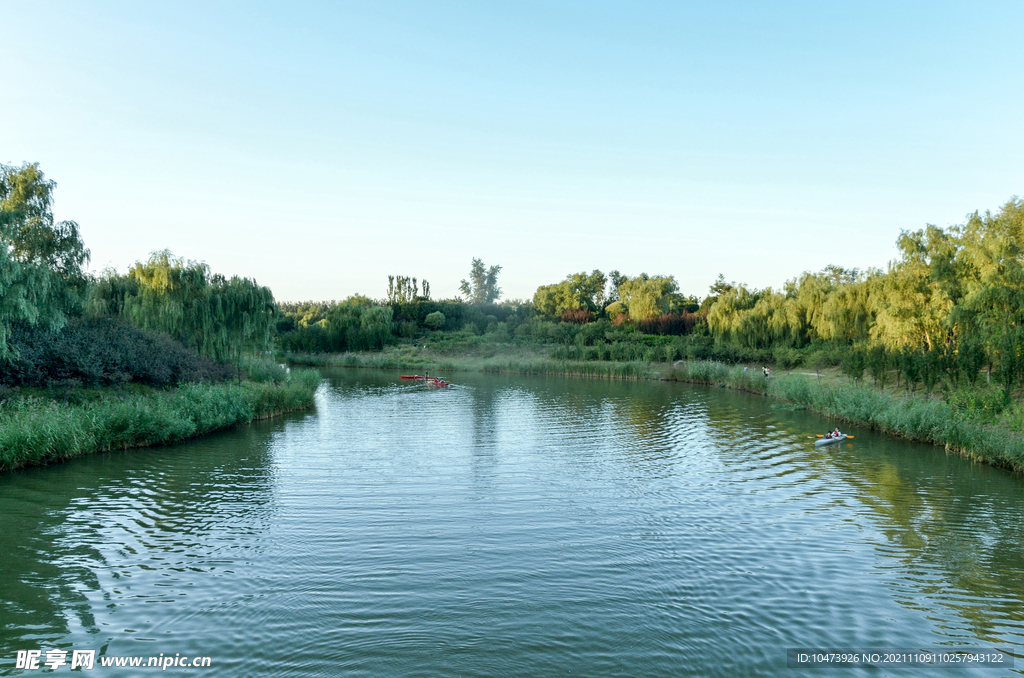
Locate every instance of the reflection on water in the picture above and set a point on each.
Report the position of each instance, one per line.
(512, 525)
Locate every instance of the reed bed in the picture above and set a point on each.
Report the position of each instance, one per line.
(528, 364)
(710, 372)
(573, 368)
(37, 430)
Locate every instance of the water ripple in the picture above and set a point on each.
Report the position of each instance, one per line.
(513, 526)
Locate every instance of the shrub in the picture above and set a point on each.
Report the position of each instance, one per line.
(104, 352)
(787, 358)
(669, 324)
(579, 316)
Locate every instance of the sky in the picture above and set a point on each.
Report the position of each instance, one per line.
(320, 147)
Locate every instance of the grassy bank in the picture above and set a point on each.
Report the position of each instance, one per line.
(912, 416)
(39, 430)
(496, 359)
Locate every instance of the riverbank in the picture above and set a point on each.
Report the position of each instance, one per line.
(39, 430)
(917, 417)
(494, 359)
(913, 416)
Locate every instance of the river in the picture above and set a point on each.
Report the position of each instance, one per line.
(514, 526)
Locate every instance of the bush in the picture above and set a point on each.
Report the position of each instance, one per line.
(104, 352)
(579, 316)
(263, 370)
(435, 320)
(669, 324)
(984, 403)
(787, 358)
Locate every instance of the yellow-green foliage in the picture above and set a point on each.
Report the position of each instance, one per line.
(577, 291)
(217, 316)
(647, 296)
(955, 296)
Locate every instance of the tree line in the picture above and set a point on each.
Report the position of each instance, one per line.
(950, 307)
(47, 298)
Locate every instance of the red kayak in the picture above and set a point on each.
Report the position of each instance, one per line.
(433, 381)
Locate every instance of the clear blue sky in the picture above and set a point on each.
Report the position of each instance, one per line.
(320, 147)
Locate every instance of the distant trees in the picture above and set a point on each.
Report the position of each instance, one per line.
(482, 286)
(645, 297)
(403, 289)
(41, 276)
(579, 291)
(950, 305)
(355, 324)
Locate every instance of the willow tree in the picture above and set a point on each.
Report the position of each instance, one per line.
(848, 313)
(991, 312)
(41, 277)
(645, 296)
(728, 316)
(244, 313)
(910, 305)
(221, 318)
(577, 291)
(174, 296)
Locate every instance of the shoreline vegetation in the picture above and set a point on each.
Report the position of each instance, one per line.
(150, 356)
(960, 429)
(88, 363)
(41, 429)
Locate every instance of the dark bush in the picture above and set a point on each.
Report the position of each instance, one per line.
(104, 352)
(579, 316)
(669, 324)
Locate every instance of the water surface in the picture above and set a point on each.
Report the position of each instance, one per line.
(513, 526)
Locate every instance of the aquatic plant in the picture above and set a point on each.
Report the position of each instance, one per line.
(37, 430)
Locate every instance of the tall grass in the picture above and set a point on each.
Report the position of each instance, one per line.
(908, 416)
(710, 372)
(36, 430)
(634, 369)
(377, 360)
(915, 417)
(523, 364)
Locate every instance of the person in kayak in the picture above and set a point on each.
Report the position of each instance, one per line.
(834, 434)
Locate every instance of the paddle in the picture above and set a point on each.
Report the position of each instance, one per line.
(822, 435)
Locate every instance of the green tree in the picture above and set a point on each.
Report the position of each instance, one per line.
(403, 289)
(375, 324)
(647, 296)
(717, 289)
(221, 318)
(482, 286)
(614, 280)
(991, 312)
(577, 291)
(41, 277)
(853, 363)
(910, 305)
(878, 364)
